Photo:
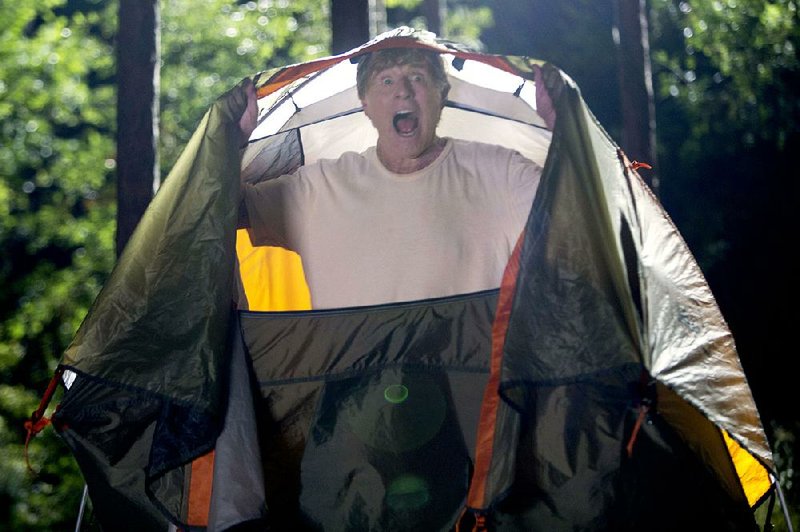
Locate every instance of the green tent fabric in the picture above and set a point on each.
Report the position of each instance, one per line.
(607, 321)
(151, 357)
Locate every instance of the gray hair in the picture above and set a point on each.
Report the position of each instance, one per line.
(389, 57)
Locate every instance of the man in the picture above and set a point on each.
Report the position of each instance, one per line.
(417, 216)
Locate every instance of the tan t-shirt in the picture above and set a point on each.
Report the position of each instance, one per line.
(368, 236)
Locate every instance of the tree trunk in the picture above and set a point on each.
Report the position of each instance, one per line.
(350, 24)
(138, 51)
(636, 85)
(435, 12)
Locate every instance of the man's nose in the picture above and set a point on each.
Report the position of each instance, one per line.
(404, 89)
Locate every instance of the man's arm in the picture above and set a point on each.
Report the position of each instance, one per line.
(264, 205)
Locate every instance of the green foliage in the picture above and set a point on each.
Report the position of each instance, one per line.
(725, 80)
(56, 229)
(465, 24)
(408, 5)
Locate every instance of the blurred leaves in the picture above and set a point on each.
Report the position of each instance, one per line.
(737, 66)
(56, 229)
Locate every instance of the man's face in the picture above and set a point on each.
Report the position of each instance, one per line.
(404, 104)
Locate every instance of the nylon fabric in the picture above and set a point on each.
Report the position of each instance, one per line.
(156, 335)
(110, 435)
(238, 486)
(271, 278)
(576, 445)
(369, 413)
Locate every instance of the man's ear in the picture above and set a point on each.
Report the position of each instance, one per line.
(364, 107)
(445, 92)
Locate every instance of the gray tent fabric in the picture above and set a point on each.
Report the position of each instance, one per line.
(238, 489)
(604, 337)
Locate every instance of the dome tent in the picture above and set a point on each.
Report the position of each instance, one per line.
(597, 388)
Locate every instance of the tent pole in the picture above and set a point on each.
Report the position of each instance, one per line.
(84, 498)
(785, 509)
(768, 519)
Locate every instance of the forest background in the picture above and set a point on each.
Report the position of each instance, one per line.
(726, 76)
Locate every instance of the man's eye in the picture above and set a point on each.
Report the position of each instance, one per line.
(386, 81)
(417, 77)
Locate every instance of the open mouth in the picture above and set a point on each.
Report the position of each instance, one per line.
(405, 123)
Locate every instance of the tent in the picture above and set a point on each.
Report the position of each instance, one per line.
(597, 388)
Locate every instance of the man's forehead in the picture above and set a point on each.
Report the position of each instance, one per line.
(416, 64)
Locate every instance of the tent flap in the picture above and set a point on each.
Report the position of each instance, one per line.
(151, 357)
